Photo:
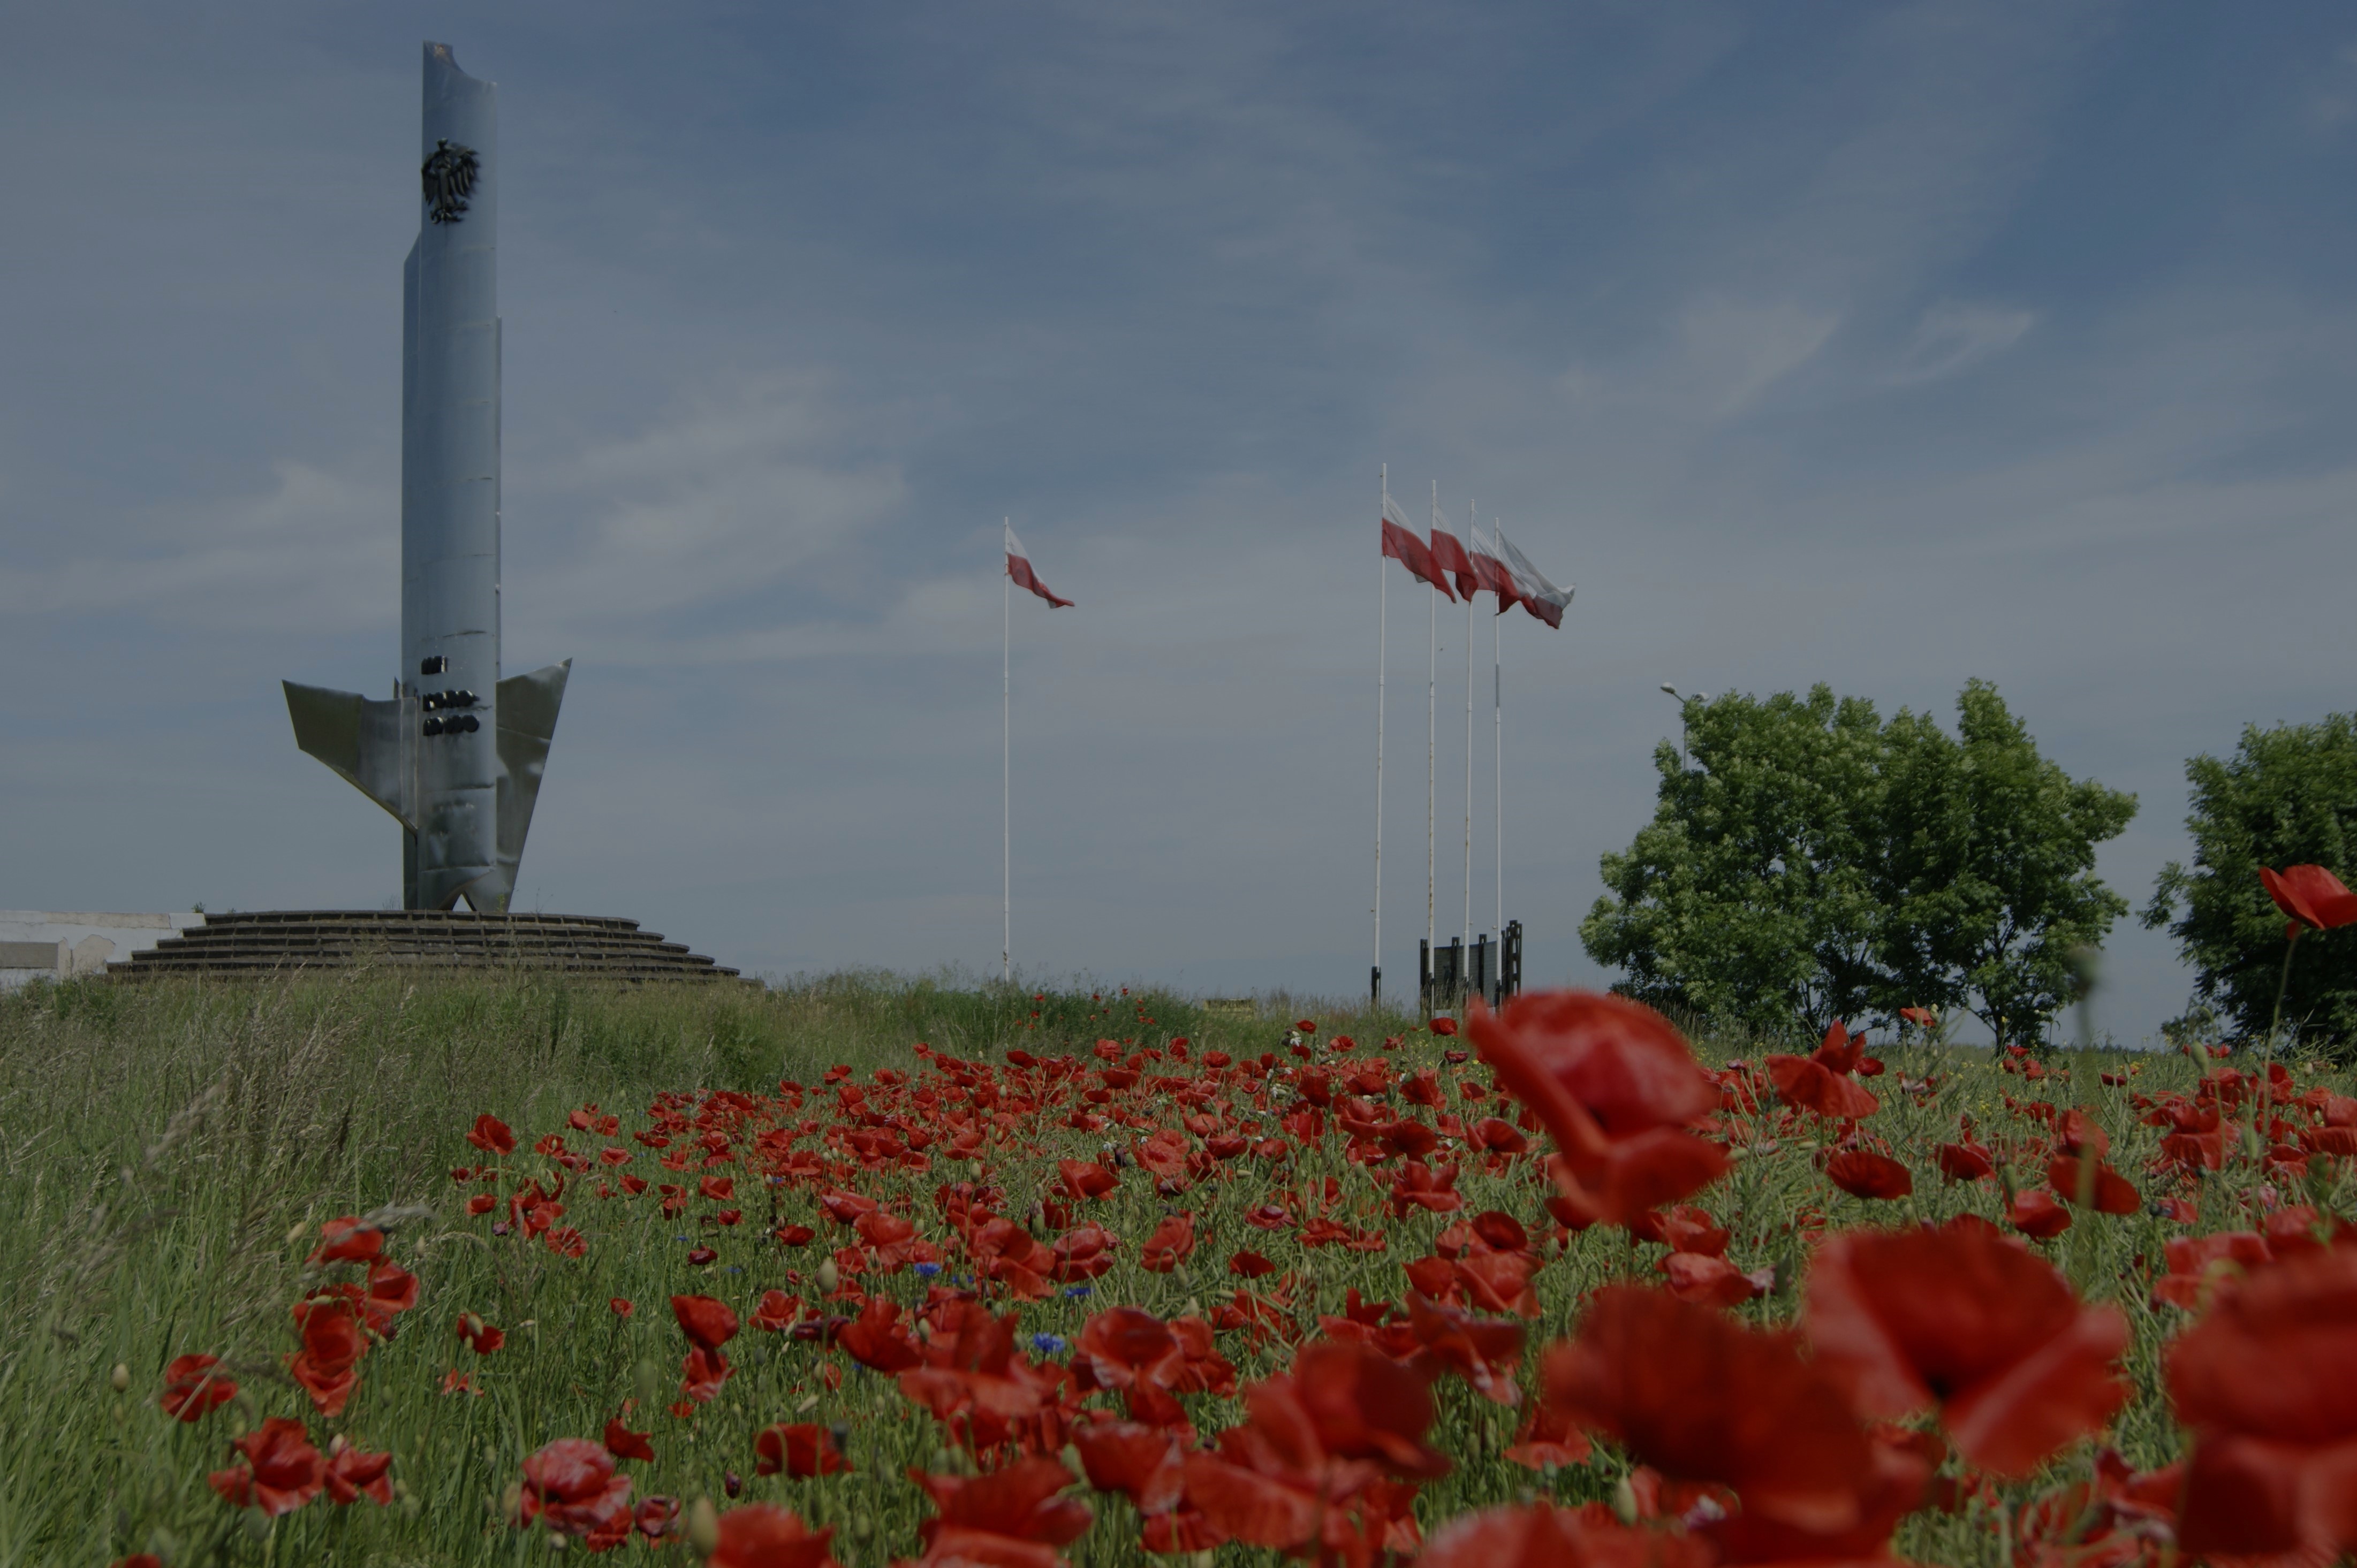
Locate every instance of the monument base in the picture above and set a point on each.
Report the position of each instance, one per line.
(249, 945)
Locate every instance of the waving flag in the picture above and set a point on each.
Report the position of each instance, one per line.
(1449, 550)
(1019, 566)
(1401, 543)
(1539, 597)
(1497, 577)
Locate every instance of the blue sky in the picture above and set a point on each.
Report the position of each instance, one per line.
(1881, 345)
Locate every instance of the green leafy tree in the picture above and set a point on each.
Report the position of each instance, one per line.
(1988, 867)
(2287, 797)
(1748, 898)
(1815, 863)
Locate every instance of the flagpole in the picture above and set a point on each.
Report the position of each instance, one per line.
(1383, 598)
(1431, 737)
(1006, 764)
(1471, 517)
(1498, 762)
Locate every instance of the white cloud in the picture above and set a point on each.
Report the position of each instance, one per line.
(1955, 335)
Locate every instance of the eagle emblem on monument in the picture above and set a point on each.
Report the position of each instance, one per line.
(449, 176)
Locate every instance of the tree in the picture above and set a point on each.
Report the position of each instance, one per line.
(1817, 864)
(1989, 867)
(2287, 797)
(1747, 897)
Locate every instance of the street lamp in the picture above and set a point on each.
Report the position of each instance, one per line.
(1681, 699)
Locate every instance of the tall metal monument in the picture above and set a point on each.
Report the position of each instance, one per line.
(456, 754)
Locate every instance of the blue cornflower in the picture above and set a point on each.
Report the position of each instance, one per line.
(1078, 1290)
(929, 1270)
(1048, 1344)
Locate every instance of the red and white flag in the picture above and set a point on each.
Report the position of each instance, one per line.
(1449, 550)
(1539, 597)
(1401, 544)
(1497, 577)
(1019, 566)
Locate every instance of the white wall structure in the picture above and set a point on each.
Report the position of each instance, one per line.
(59, 944)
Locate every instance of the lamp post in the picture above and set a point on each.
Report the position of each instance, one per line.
(1681, 701)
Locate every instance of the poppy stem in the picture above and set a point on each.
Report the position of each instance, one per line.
(2260, 1115)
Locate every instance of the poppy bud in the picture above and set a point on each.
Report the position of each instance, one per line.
(649, 1377)
(703, 1526)
(511, 1501)
(120, 1378)
(295, 1236)
(1624, 1501)
(863, 1529)
(829, 1277)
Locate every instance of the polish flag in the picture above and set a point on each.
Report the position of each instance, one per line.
(1539, 597)
(1019, 566)
(1497, 577)
(1401, 543)
(1449, 552)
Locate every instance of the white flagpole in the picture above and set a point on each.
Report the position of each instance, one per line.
(1498, 762)
(1470, 515)
(1382, 598)
(1007, 763)
(1431, 733)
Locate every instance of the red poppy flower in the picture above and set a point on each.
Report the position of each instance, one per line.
(1484, 1351)
(764, 1535)
(874, 1338)
(347, 1240)
(352, 1475)
(333, 1344)
(281, 1473)
(1966, 1162)
(2038, 1213)
(492, 1135)
(1696, 1277)
(624, 1443)
(1085, 1179)
(482, 1203)
(701, 1373)
(191, 1388)
(1543, 1536)
(1922, 1017)
(719, 1189)
(798, 1451)
(570, 1484)
(1821, 1081)
(2197, 1263)
(1004, 1517)
(2268, 1382)
(2113, 1193)
(1444, 1027)
(1142, 1463)
(1702, 1398)
(1965, 1319)
(623, 1305)
(1615, 1084)
(699, 1256)
(392, 1290)
(1250, 1265)
(1172, 1243)
(1310, 1463)
(479, 1335)
(708, 1324)
(1862, 1173)
(796, 1235)
(2311, 896)
(777, 1311)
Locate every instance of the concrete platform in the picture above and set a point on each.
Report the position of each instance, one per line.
(279, 941)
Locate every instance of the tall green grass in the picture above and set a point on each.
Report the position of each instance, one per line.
(170, 1150)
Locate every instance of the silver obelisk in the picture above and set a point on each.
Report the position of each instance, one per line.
(456, 755)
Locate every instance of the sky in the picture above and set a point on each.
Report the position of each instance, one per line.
(1886, 347)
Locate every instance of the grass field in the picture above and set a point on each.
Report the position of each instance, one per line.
(173, 1151)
